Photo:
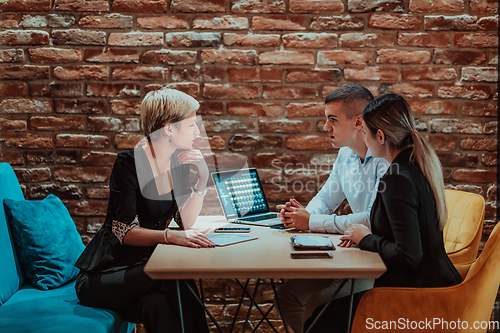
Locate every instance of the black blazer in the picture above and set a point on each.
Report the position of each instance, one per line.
(405, 230)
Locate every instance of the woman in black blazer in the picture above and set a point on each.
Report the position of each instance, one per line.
(409, 212)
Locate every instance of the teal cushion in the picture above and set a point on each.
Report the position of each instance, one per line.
(46, 240)
(56, 311)
(11, 277)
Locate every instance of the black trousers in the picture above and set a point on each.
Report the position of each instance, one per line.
(140, 299)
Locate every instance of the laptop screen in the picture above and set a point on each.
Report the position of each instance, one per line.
(240, 192)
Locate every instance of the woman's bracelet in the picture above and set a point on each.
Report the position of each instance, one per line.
(165, 237)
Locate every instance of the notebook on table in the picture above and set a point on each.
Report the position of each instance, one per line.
(242, 197)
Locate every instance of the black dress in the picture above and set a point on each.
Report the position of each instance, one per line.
(111, 273)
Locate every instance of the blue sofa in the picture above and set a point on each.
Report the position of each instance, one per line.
(24, 308)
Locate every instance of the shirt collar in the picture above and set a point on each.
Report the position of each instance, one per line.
(355, 157)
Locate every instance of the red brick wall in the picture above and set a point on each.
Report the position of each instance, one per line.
(73, 72)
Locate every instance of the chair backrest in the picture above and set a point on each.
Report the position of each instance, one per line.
(11, 278)
(484, 279)
(462, 233)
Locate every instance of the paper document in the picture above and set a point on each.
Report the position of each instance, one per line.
(228, 239)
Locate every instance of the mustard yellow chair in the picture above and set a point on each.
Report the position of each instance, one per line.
(471, 301)
(463, 230)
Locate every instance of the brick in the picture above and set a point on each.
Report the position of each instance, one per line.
(24, 37)
(337, 57)
(254, 109)
(55, 55)
(81, 72)
(18, 106)
(258, 6)
(33, 21)
(490, 159)
(11, 55)
(233, 39)
(253, 142)
(9, 20)
(476, 40)
(194, 6)
(112, 124)
(13, 125)
(56, 123)
(113, 90)
(366, 40)
(309, 142)
(310, 40)
(78, 37)
(25, 6)
(364, 6)
(443, 142)
(60, 20)
(424, 39)
(458, 160)
(81, 106)
(294, 110)
(168, 57)
(217, 143)
(135, 39)
(286, 58)
(450, 125)
(192, 89)
(138, 73)
(14, 89)
(82, 5)
(98, 193)
(86, 174)
(455, 23)
(81, 141)
(140, 6)
(112, 55)
(226, 91)
(433, 107)
(226, 22)
(475, 176)
(33, 174)
(98, 158)
(284, 126)
(127, 141)
(152, 87)
(337, 23)
(86, 208)
(254, 74)
(428, 73)
(56, 89)
(488, 23)
(235, 57)
(395, 21)
(370, 73)
(26, 140)
(316, 6)
(211, 108)
(409, 90)
(205, 74)
(193, 39)
(479, 109)
(461, 91)
(274, 23)
(450, 57)
(126, 107)
(62, 192)
(229, 126)
(313, 75)
(479, 143)
(178, 21)
(429, 6)
(480, 74)
(69, 157)
(390, 56)
(24, 72)
(109, 21)
(277, 160)
(483, 6)
(288, 92)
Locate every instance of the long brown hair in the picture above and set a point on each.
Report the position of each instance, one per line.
(392, 115)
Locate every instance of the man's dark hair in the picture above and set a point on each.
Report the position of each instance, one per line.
(354, 96)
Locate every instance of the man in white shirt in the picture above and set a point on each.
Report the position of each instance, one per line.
(354, 177)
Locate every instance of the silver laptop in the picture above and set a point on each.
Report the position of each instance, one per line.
(242, 197)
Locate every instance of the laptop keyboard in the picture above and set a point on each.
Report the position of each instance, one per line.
(259, 218)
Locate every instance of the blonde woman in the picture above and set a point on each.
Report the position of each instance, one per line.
(149, 186)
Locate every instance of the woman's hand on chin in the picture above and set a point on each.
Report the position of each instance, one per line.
(196, 158)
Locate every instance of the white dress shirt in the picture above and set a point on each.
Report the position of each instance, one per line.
(350, 179)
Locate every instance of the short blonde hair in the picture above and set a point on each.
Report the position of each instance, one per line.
(165, 106)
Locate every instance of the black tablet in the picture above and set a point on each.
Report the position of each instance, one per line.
(312, 243)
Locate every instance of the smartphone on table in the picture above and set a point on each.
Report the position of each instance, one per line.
(311, 255)
(238, 230)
